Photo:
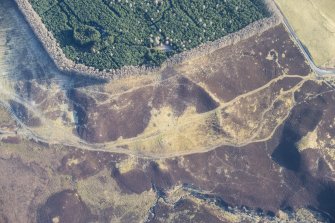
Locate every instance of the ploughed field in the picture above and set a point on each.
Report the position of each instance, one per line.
(244, 134)
(109, 34)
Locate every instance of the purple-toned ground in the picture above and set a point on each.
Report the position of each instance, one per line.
(254, 129)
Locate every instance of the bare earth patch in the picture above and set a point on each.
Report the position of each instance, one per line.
(243, 134)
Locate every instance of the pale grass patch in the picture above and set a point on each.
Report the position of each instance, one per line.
(314, 23)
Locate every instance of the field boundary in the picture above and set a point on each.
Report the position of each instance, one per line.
(319, 70)
(52, 47)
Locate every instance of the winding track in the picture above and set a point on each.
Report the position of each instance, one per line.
(28, 133)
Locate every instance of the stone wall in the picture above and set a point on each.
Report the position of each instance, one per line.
(63, 63)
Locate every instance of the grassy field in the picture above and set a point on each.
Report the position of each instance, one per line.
(113, 33)
(314, 23)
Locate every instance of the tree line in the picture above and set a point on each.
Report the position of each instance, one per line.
(109, 34)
